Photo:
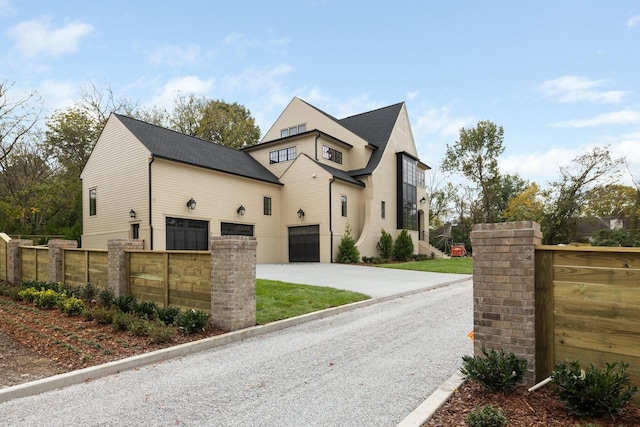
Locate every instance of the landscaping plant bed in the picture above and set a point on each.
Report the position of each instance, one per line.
(36, 343)
(539, 408)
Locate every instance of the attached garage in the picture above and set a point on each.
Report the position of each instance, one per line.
(187, 234)
(304, 244)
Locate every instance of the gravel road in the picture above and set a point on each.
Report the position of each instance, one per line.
(370, 366)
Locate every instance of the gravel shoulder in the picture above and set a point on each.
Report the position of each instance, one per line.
(371, 366)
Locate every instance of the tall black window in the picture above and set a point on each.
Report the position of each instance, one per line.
(383, 210)
(343, 200)
(92, 202)
(407, 192)
(266, 205)
(282, 155)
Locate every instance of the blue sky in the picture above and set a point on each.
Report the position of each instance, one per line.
(559, 76)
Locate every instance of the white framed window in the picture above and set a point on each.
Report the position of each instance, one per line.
(293, 130)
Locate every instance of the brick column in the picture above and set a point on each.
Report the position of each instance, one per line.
(233, 282)
(14, 267)
(117, 268)
(504, 289)
(55, 257)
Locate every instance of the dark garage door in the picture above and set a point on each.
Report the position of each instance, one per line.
(304, 244)
(187, 234)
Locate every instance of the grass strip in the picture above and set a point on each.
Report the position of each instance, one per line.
(453, 265)
(277, 300)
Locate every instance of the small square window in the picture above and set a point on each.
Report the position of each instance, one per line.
(302, 128)
(293, 130)
(284, 133)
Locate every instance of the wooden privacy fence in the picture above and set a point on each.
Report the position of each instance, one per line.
(590, 306)
(220, 281)
(179, 278)
(552, 304)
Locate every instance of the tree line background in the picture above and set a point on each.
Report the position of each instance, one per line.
(41, 158)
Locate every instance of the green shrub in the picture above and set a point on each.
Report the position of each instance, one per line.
(420, 257)
(403, 247)
(192, 321)
(497, 371)
(347, 251)
(47, 298)
(29, 295)
(146, 310)
(593, 392)
(121, 320)
(106, 297)
(486, 416)
(102, 316)
(168, 315)
(14, 292)
(125, 303)
(159, 333)
(89, 292)
(385, 245)
(138, 327)
(71, 306)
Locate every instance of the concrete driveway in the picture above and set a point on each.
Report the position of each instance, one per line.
(373, 281)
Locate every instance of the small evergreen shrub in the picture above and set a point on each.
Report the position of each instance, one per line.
(146, 310)
(347, 251)
(594, 392)
(102, 316)
(71, 306)
(138, 327)
(14, 292)
(125, 303)
(159, 333)
(403, 247)
(168, 315)
(89, 292)
(29, 294)
(121, 320)
(385, 245)
(487, 416)
(498, 371)
(47, 298)
(420, 257)
(193, 321)
(106, 297)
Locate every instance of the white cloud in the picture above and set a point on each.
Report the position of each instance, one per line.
(438, 121)
(633, 21)
(59, 95)
(184, 85)
(412, 95)
(570, 89)
(178, 56)
(37, 37)
(5, 8)
(624, 117)
(540, 167)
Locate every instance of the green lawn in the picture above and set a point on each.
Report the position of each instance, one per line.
(277, 300)
(452, 265)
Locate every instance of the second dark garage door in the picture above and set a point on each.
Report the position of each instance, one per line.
(304, 244)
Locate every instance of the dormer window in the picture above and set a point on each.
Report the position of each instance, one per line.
(294, 130)
(283, 155)
(331, 154)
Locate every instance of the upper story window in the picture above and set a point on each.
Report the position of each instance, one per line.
(282, 155)
(266, 205)
(421, 179)
(294, 130)
(92, 201)
(331, 154)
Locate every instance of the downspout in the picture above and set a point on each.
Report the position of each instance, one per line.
(331, 221)
(316, 144)
(150, 206)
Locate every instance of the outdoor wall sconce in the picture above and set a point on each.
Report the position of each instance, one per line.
(241, 210)
(132, 213)
(191, 204)
(423, 200)
(300, 213)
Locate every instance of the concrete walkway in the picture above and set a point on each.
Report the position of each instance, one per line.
(373, 281)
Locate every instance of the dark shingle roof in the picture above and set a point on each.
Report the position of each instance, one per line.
(374, 127)
(170, 145)
(338, 174)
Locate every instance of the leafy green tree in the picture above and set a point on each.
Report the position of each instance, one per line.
(566, 196)
(525, 206)
(213, 120)
(348, 253)
(475, 156)
(385, 245)
(610, 200)
(403, 247)
(617, 237)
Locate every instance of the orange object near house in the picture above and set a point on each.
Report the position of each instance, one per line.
(458, 249)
